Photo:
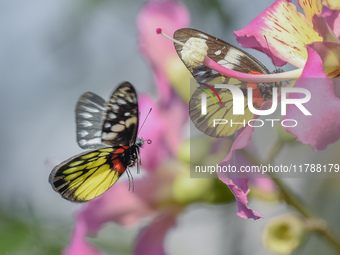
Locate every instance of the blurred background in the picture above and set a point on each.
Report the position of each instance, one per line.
(52, 52)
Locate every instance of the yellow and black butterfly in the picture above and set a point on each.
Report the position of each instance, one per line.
(230, 57)
(110, 130)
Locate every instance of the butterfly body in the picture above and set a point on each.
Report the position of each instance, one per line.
(110, 130)
(230, 57)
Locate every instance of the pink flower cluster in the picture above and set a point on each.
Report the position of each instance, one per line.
(310, 42)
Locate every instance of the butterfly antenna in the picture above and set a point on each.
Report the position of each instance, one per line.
(271, 55)
(145, 120)
(139, 160)
(277, 70)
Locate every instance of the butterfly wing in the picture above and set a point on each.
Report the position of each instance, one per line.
(120, 124)
(217, 121)
(221, 52)
(88, 175)
(230, 57)
(101, 124)
(90, 111)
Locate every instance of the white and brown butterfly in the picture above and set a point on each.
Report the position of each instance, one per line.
(230, 57)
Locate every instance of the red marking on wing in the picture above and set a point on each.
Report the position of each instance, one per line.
(257, 95)
(254, 72)
(121, 149)
(210, 87)
(117, 165)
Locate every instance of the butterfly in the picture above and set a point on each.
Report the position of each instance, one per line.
(109, 129)
(230, 57)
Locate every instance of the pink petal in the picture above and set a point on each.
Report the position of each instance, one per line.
(238, 182)
(330, 55)
(175, 117)
(79, 245)
(150, 240)
(118, 204)
(324, 30)
(239, 186)
(282, 30)
(241, 141)
(169, 15)
(163, 127)
(333, 20)
(240, 189)
(323, 127)
(154, 128)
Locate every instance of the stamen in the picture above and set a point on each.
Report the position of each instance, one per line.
(252, 77)
(194, 50)
(159, 31)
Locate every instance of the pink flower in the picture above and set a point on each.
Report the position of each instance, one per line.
(324, 106)
(171, 15)
(311, 42)
(291, 38)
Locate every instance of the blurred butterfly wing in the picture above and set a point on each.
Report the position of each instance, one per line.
(230, 57)
(87, 175)
(217, 120)
(90, 112)
(120, 124)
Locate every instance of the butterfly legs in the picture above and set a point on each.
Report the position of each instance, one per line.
(130, 177)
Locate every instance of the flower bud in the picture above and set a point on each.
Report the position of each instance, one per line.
(284, 234)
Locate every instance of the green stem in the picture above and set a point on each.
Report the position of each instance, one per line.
(294, 201)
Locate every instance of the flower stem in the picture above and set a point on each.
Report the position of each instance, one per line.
(287, 194)
(294, 201)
